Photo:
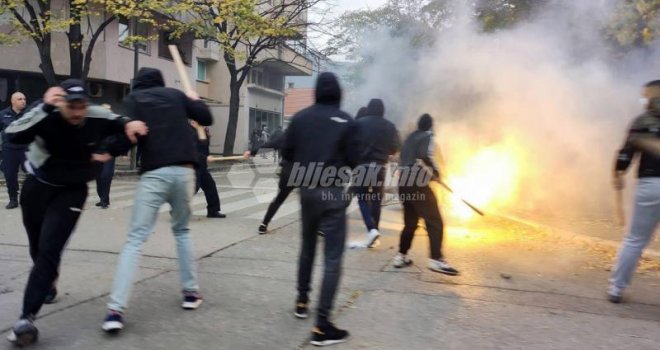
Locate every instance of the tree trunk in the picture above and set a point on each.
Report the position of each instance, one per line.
(46, 64)
(234, 104)
(75, 46)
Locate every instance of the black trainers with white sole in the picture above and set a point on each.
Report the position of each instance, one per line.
(24, 333)
(263, 229)
(328, 335)
(301, 311)
(191, 300)
(114, 322)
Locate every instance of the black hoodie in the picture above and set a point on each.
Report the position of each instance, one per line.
(166, 112)
(322, 133)
(379, 138)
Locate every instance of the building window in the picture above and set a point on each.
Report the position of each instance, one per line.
(125, 32)
(201, 70)
(184, 44)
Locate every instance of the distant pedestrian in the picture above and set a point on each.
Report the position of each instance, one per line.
(204, 179)
(104, 177)
(13, 155)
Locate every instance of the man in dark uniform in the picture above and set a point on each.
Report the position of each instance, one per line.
(13, 154)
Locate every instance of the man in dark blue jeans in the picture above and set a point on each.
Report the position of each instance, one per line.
(13, 155)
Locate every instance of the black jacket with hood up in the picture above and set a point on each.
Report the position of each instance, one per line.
(379, 138)
(166, 112)
(322, 134)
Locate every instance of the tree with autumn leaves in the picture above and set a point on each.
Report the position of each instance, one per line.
(83, 22)
(249, 32)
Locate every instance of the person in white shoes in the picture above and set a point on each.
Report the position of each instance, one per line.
(379, 140)
(417, 197)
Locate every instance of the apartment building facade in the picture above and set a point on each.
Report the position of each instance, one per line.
(112, 70)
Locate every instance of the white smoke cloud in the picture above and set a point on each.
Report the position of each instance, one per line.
(548, 91)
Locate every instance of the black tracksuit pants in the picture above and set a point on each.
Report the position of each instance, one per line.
(13, 160)
(322, 207)
(420, 202)
(49, 215)
(284, 190)
(207, 184)
(104, 181)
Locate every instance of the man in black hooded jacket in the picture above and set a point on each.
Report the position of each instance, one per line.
(169, 159)
(319, 140)
(379, 140)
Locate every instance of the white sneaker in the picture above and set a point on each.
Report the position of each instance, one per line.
(442, 267)
(401, 260)
(372, 238)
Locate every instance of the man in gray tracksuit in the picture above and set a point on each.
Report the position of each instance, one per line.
(646, 213)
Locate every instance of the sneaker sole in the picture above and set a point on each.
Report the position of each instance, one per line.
(193, 305)
(372, 243)
(300, 316)
(402, 266)
(112, 327)
(24, 339)
(328, 342)
(449, 273)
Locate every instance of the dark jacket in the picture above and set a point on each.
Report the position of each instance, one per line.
(379, 138)
(60, 153)
(649, 164)
(419, 146)
(322, 135)
(166, 112)
(8, 116)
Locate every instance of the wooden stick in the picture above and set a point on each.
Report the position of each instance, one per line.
(218, 159)
(621, 218)
(475, 209)
(174, 51)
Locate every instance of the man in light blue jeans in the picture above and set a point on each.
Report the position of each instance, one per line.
(169, 158)
(646, 213)
(173, 185)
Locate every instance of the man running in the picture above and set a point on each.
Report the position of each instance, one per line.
(66, 137)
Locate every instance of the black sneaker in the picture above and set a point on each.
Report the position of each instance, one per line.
(12, 204)
(301, 311)
(216, 215)
(51, 297)
(24, 333)
(328, 335)
(191, 300)
(263, 228)
(114, 322)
